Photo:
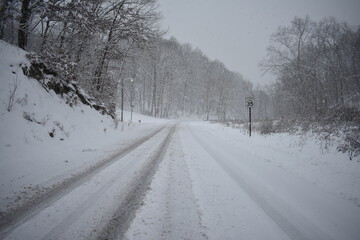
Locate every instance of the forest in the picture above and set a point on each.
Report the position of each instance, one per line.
(106, 46)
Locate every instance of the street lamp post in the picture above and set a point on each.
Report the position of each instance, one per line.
(131, 99)
(122, 97)
(122, 101)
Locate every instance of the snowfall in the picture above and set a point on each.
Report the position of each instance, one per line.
(211, 181)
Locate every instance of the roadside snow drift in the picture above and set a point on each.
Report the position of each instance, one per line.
(42, 139)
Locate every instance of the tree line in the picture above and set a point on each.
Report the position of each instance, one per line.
(99, 43)
(317, 65)
(102, 43)
(173, 80)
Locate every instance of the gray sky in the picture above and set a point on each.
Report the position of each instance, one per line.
(237, 32)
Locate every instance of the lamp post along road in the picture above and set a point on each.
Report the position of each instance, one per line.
(131, 99)
(122, 101)
(122, 97)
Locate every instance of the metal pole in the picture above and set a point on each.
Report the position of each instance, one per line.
(131, 99)
(249, 121)
(122, 100)
(131, 114)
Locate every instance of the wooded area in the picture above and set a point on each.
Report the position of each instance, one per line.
(317, 65)
(101, 43)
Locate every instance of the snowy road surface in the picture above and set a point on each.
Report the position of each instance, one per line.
(187, 182)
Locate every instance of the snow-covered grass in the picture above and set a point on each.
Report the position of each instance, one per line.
(304, 154)
(43, 140)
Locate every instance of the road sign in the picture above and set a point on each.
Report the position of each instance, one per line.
(249, 102)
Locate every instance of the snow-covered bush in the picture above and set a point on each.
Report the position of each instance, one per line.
(61, 81)
(343, 115)
(12, 94)
(351, 144)
(340, 127)
(266, 127)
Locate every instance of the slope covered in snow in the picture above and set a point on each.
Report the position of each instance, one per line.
(42, 139)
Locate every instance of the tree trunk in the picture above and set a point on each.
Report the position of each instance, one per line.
(23, 24)
(45, 36)
(153, 105)
(62, 37)
(99, 69)
(3, 16)
(143, 98)
(81, 49)
(184, 99)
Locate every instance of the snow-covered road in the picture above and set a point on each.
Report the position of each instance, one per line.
(99, 203)
(208, 187)
(190, 181)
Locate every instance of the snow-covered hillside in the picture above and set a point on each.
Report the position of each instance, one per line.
(43, 139)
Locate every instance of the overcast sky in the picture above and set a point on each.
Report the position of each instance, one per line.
(237, 32)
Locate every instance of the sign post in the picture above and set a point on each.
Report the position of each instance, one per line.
(249, 103)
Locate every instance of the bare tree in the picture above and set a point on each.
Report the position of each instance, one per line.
(316, 65)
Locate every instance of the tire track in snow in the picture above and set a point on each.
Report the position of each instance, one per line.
(170, 209)
(16, 216)
(182, 211)
(125, 213)
(266, 202)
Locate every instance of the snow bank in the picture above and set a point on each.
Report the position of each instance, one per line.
(305, 155)
(43, 139)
